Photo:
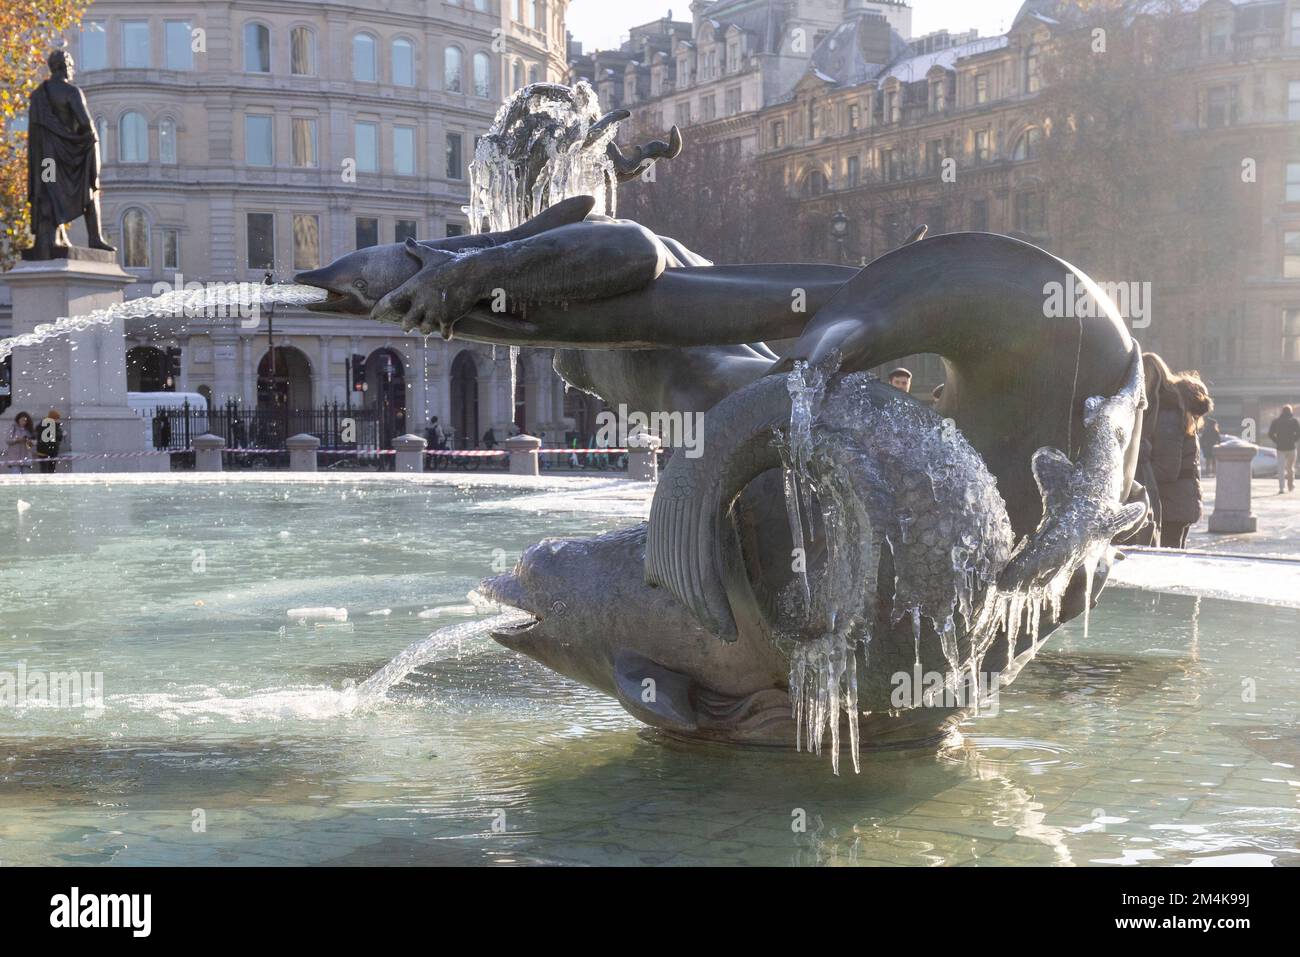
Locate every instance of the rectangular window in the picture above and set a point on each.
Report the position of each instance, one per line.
(304, 142)
(979, 216)
(455, 168)
(1295, 28)
(778, 134)
(891, 107)
(682, 116)
(708, 108)
(1293, 182)
(404, 230)
(455, 229)
(1030, 216)
(178, 55)
(933, 156)
(855, 116)
(1220, 106)
(259, 141)
(94, 46)
(852, 171)
(1291, 335)
(306, 241)
(302, 52)
(733, 101)
(981, 87)
(982, 151)
(1291, 255)
(404, 150)
(135, 44)
(171, 249)
(1293, 100)
(261, 241)
(367, 147)
(367, 232)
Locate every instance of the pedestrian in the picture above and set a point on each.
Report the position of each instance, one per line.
(49, 440)
(436, 435)
(490, 438)
(1285, 433)
(1184, 403)
(18, 444)
(1144, 477)
(901, 379)
(1210, 437)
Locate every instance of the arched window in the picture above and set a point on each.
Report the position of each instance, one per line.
(517, 76)
(135, 239)
(403, 62)
(133, 138)
(482, 75)
(1026, 147)
(534, 74)
(451, 70)
(167, 142)
(363, 58)
(302, 52)
(257, 48)
(814, 183)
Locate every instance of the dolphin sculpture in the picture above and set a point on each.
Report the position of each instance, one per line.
(836, 534)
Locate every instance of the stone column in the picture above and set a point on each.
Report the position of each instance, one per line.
(410, 453)
(82, 374)
(302, 452)
(643, 456)
(523, 454)
(225, 367)
(207, 452)
(1232, 512)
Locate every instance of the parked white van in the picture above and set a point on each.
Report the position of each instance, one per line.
(146, 405)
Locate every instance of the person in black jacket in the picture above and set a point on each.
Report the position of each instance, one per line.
(1184, 403)
(1285, 433)
(48, 439)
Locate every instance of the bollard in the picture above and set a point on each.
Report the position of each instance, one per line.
(1232, 487)
(523, 454)
(207, 452)
(302, 452)
(643, 456)
(410, 452)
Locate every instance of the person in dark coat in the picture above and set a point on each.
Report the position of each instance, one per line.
(1210, 437)
(1144, 478)
(1184, 402)
(48, 440)
(1285, 433)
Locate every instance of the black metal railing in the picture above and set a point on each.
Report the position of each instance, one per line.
(266, 428)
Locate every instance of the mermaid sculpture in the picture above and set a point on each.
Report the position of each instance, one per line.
(837, 539)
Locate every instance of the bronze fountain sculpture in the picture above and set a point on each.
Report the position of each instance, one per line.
(836, 534)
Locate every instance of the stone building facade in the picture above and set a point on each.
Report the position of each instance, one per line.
(255, 136)
(869, 116)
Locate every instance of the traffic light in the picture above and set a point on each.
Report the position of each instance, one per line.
(358, 373)
(173, 367)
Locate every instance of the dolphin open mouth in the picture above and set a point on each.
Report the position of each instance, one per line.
(336, 300)
(507, 591)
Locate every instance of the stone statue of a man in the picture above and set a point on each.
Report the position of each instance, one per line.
(62, 163)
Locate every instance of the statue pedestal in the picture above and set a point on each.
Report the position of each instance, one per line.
(82, 374)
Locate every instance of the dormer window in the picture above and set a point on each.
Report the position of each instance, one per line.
(733, 56)
(938, 95)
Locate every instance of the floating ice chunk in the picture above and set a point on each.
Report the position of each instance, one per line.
(325, 613)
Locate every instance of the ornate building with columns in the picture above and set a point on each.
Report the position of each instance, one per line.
(255, 136)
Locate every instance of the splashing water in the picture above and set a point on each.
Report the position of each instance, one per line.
(535, 155)
(240, 300)
(429, 649)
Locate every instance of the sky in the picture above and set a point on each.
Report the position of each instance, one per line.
(603, 24)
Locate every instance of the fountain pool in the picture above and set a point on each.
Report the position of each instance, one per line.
(233, 733)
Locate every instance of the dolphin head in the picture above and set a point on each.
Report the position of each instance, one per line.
(357, 281)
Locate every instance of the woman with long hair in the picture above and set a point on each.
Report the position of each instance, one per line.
(1184, 402)
(18, 444)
